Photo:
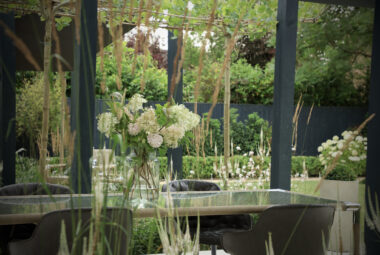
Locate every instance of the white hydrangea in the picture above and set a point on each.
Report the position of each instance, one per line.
(155, 140)
(346, 135)
(180, 114)
(172, 134)
(354, 158)
(351, 157)
(148, 121)
(359, 138)
(136, 103)
(106, 123)
(133, 129)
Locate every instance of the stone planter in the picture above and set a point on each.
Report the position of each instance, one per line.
(342, 228)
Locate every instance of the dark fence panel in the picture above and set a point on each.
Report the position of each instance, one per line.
(323, 124)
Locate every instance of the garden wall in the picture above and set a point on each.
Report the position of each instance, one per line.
(324, 122)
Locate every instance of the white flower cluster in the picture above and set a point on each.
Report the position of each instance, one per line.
(148, 121)
(155, 140)
(136, 103)
(180, 114)
(143, 123)
(355, 152)
(133, 129)
(251, 171)
(106, 123)
(172, 135)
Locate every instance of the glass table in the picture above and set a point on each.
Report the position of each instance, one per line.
(30, 209)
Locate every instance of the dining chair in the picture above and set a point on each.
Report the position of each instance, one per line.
(211, 228)
(294, 229)
(24, 231)
(115, 232)
(23, 189)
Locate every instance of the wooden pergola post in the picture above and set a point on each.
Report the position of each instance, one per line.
(7, 101)
(174, 155)
(283, 103)
(372, 240)
(83, 97)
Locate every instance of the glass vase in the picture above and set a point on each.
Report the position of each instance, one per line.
(144, 172)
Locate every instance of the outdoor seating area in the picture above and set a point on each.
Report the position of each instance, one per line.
(189, 127)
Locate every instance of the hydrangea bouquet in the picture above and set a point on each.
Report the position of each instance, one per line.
(146, 130)
(351, 160)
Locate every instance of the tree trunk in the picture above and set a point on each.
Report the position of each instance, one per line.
(227, 99)
(45, 115)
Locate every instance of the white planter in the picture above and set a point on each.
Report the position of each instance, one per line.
(342, 228)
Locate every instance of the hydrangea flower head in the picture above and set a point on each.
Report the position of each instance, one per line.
(106, 123)
(136, 103)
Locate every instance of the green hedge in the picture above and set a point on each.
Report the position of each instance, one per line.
(203, 167)
(245, 134)
(145, 238)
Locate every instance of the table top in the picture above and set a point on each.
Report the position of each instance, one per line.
(27, 209)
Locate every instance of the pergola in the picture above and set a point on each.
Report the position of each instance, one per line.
(83, 97)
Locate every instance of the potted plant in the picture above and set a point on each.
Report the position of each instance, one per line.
(344, 158)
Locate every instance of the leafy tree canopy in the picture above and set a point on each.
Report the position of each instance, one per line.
(155, 79)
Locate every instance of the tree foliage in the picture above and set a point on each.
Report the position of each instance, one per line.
(155, 78)
(29, 103)
(333, 57)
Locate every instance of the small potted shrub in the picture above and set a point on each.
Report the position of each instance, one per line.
(342, 173)
(349, 154)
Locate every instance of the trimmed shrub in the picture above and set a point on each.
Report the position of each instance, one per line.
(313, 165)
(342, 173)
(245, 134)
(203, 167)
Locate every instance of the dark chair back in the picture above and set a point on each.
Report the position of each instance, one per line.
(295, 229)
(190, 185)
(23, 189)
(24, 231)
(117, 226)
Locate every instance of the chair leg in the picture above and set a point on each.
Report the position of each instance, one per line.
(213, 249)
